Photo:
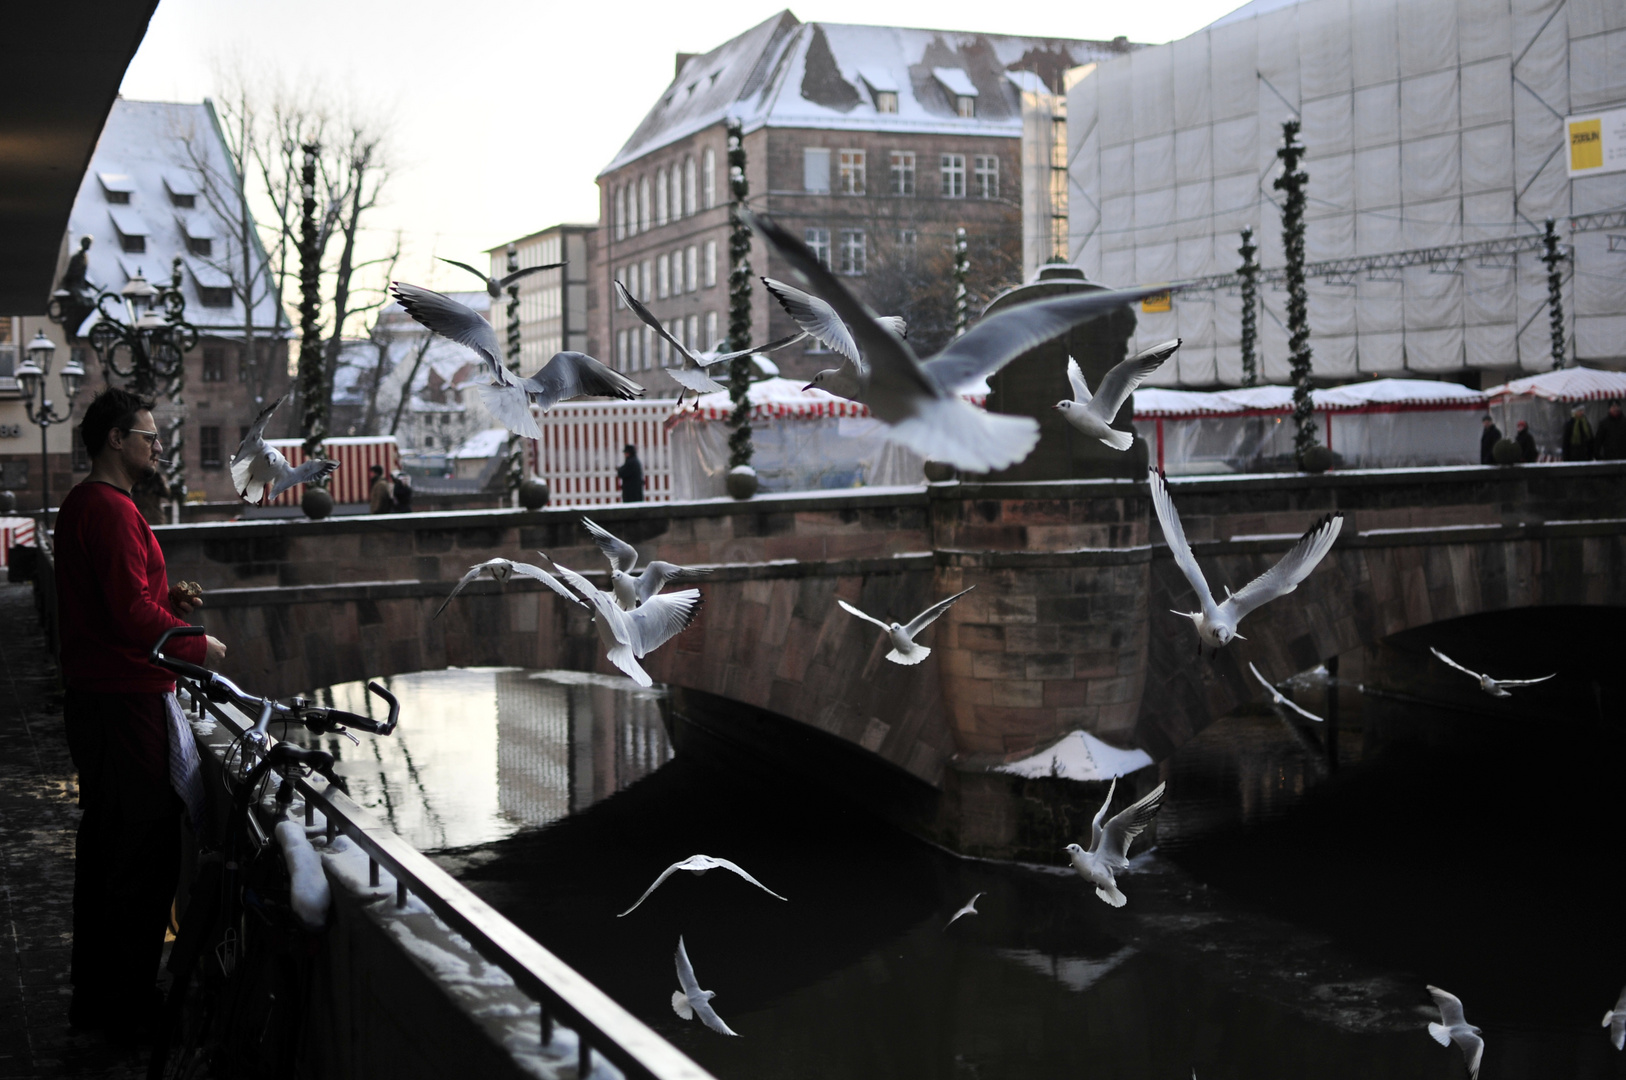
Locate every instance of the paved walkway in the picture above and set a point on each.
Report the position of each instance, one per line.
(38, 817)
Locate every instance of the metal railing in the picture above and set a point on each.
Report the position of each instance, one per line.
(565, 996)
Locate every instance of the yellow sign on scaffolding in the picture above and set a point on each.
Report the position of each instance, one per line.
(1597, 143)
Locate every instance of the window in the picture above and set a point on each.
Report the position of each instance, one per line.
(186, 202)
(953, 171)
(643, 203)
(903, 172)
(691, 269)
(677, 195)
(214, 295)
(886, 101)
(660, 197)
(906, 246)
(646, 353)
(688, 186)
(120, 197)
(816, 170)
(663, 277)
(214, 364)
(966, 106)
(987, 176)
(621, 213)
(711, 330)
(134, 245)
(691, 332)
(209, 447)
(647, 276)
(200, 245)
(708, 178)
(711, 263)
(851, 251)
(622, 361)
(818, 241)
(852, 172)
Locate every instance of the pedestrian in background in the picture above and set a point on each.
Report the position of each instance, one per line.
(1489, 436)
(380, 495)
(1527, 443)
(1578, 437)
(138, 766)
(1611, 445)
(631, 474)
(403, 493)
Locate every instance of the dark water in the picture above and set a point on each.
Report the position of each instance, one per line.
(1285, 925)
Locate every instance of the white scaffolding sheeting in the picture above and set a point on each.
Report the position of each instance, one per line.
(1427, 122)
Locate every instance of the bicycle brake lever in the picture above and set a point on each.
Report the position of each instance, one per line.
(346, 733)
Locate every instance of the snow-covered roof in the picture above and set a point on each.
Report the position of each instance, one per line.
(483, 444)
(786, 73)
(1372, 395)
(1570, 385)
(153, 151)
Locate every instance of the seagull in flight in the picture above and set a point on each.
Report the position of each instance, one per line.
(818, 320)
(1109, 847)
(505, 394)
(1493, 687)
(969, 909)
(1615, 1021)
(501, 570)
(904, 650)
(260, 473)
(1094, 415)
(633, 589)
(1216, 623)
(691, 1001)
(692, 372)
(698, 864)
(495, 286)
(920, 403)
(1280, 698)
(1454, 1028)
(628, 636)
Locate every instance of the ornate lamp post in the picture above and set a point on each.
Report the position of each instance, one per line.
(33, 377)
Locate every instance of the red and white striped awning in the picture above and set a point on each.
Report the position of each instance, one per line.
(1571, 386)
(1371, 396)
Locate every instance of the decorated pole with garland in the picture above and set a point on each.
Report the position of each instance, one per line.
(962, 274)
(314, 420)
(513, 466)
(1291, 184)
(1553, 254)
(1250, 307)
(739, 299)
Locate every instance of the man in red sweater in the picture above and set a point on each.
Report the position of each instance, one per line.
(114, 601)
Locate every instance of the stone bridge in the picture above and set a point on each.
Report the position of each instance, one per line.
(1069, 626)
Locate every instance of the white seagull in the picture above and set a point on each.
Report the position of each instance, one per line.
(1216, 623)
(920, 403)
(1109, 847)
(1280, 698)
(1615, 1021)
(699, 864)
(501, 570)
(1493, 687)
(904, 650)
(628, 636)
(507, 396)
(969, 909)
(1456, 1029)
(818, 320)
(694, 373)
(260, 473)
(495, 285)
(1094, 415)
(633, 589)
(691, 1000)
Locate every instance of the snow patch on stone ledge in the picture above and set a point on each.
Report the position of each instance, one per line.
(1079, 756)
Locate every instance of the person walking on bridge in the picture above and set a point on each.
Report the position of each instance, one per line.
(134, 753)
(1611, 441)
(631, 474)
(1577, 445)
(1489, 436)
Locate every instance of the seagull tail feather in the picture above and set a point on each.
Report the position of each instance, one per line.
(1441, 1033)
(1112, 896)
(681, 1006)
(1607, 1017)
(1119, 440)
(914, 656)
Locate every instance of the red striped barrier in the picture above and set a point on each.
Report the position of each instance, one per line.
(581, 447)
(15, 530)
(355, 455)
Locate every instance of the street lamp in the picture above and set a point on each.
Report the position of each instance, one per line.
(33, 377)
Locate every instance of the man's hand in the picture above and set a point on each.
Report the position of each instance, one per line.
(185, 597)
(214, 651)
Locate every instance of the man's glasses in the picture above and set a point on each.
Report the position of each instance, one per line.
(150, 436)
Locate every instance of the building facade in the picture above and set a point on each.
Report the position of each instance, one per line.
(874, 144)
(552, 303)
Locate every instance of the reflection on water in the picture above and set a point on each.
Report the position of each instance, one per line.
(483, 752)
(1284, 927)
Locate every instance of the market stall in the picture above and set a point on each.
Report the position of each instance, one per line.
(1544, 402)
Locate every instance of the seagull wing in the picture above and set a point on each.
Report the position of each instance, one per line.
(1101, 816)
(658, 574)
(474, 572)
(1450, 1007)
(655, 324)
(1075, 378)
(970, 908)
(726, 865)
(772, 346)
(1120, 382)
(484, 278)
(1175, 534)
(849, 609)
(699, 1000)
(894, 323)
(511, 407)
(660, 618)
(1128, 824)
(539, 574)
(574, 374)
(1472, 1047)
(668, 872)
(1282, 699)
(1290, 569)
(254, 440)
(1525, 682)
(1452, 663)
(458, 322)
(930, 615)
(504, 282)
(694, 379)
(303, 473)
(622, 555)
(815, 317)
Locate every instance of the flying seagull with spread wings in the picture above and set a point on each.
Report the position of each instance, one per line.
(1615, 1021)
(1216, 623)
(1493, 687)
(1108, 855)
(505, 394)
(628, 636)
(633, 589)
(692, 372)
(818, 320)
(697, 865)
(1454, 1028)
(260, 473)
(904, 650)
(501, 570)
(691, 1001)
(920, 403)
(970, 908)
(494, 285)
(1281, 699)
(1094, 415)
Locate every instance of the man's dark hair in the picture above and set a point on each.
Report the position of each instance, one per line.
(113, 408)
(629, 449)
(374, 470)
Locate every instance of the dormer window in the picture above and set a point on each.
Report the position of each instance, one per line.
(961, 91)
(965, 106)
(886, 101)
(117, 186)
(182, 188)
(883, 89)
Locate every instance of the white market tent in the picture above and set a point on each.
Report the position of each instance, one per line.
(1376, 424)
(1544, 402)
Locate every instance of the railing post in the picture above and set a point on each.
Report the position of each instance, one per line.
(547, 1026)
(584, 1058)
(400, 893)
(372, 872)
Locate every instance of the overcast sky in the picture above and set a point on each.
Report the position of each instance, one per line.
(503, 111)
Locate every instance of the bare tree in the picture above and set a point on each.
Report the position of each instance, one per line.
(357, 177)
